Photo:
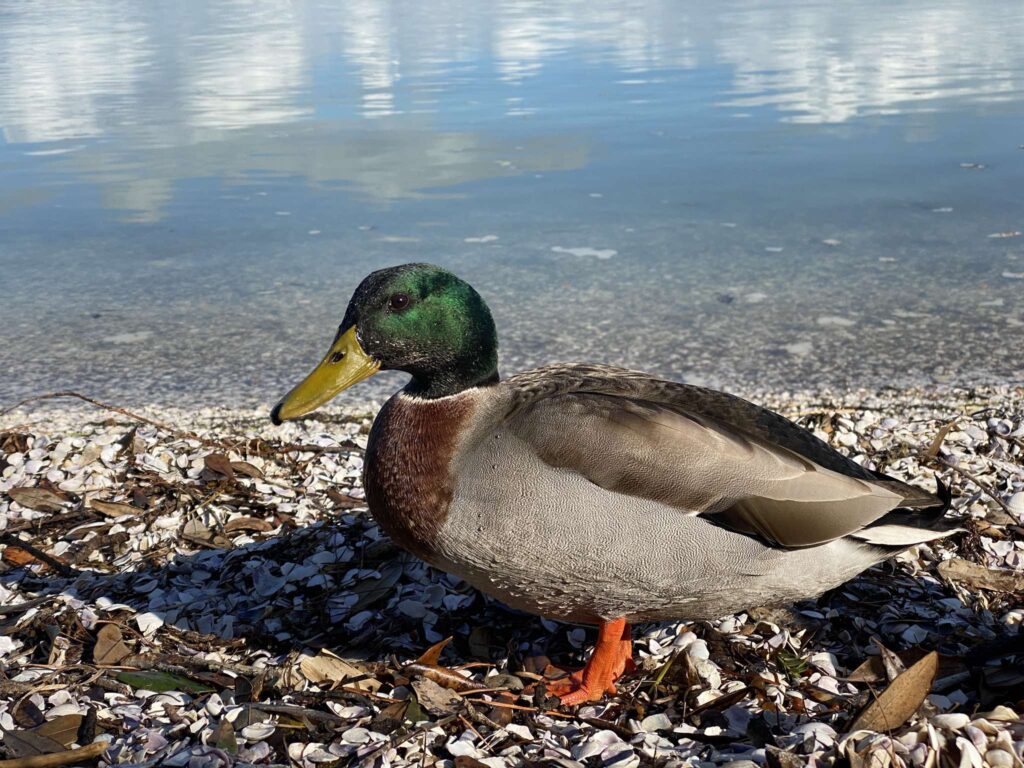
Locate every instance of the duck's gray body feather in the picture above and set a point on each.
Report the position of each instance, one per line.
(586, 493)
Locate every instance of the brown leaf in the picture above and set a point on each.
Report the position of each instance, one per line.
(13, 442)
(140, 498)
(52, 758)
(891, 663)
(221, 464)
(433, 654)
(900, 700)
(780, 758)
(246, 469)
(502, 715)
(28, 715)
(247, 524)
(369, 591)
(195, 529)
(110, 648)
(63, 729)
(465, 761)
(936, 444)
(16, 556)
(325, 668)
(390, 717)
(536, 665)
(980, 577)
(480, 643)
(871, 670)
(435, 699)
(114, 508)
(224, 737)
(344, 501)
(443, 676)
(39, 499)
(28, 743)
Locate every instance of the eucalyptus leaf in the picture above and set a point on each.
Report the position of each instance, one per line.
(161, 682)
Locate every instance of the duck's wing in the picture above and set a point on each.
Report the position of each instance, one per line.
(705, 453)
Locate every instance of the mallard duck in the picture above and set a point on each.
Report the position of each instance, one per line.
(593, 494)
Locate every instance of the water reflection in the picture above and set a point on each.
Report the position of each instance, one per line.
(836, 159)
(70, 70)
(91, 69)
(825, 64)
(400, 162)
(245, 65)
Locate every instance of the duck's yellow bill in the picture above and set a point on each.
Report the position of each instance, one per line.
(345, 364)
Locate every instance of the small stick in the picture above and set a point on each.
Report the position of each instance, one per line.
(62, 568)
(984, 488)
(68, 757)
(209, 442)
(98, 404)
(549, 712)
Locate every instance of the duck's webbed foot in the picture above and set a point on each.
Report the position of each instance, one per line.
(613, 655)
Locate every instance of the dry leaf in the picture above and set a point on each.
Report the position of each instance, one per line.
(39, 499)
(343, 501)
(28, 743)
(443, 676)
(433, 654)
(502, 715)
(56, 757)
(980, 577)
(390, 717)
(936, 444)
(901, 699)
(871, 670)
(891, 663)
(224, 737)
(63, 729)
(110, 648)
(247, 524)
(780, 758)
(247, 469)
(434, 699)
(323, 668)
(114, 508)
(16, 556)
(195, 529)
(221, 464)
(369, 591)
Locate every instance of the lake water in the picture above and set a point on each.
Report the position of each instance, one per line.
(751, 194)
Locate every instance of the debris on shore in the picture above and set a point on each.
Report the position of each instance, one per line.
(205, 589)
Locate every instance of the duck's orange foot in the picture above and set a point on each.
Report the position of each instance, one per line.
(613, 655)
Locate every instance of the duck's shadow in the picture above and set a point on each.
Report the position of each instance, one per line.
(329, 584)
(341, 586)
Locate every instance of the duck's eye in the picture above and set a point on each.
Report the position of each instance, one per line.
(399, 301)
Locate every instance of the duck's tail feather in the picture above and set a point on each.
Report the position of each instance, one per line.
(917, 523)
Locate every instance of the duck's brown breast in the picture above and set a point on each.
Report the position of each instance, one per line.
(407, 474)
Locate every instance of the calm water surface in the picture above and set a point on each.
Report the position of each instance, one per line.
(756, 194)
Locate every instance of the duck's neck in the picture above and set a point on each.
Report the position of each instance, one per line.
(465, 369)
(445, 385)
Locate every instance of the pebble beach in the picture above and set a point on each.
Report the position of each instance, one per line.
(200, 588)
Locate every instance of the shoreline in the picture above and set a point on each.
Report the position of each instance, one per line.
(226, 552)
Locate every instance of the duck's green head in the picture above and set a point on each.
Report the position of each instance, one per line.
(416, 318)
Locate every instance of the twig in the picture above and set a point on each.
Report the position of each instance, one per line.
(984, 488)
(68, 757)
(105, 406)
(397, 739)
(210, 442)
(62, 568)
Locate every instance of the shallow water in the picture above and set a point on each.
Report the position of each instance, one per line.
(759, 194)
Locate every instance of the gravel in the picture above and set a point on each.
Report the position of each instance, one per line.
(200, 588)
